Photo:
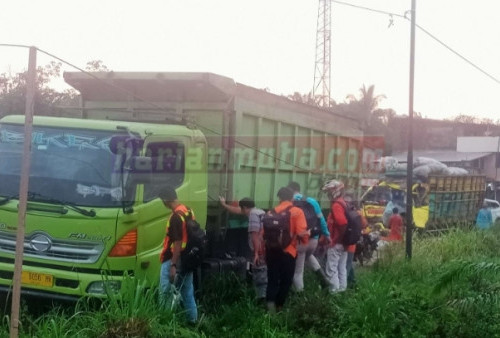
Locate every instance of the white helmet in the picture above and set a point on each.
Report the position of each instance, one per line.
(333, 188)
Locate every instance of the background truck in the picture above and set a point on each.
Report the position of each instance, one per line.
(93, 213)
(438, 201)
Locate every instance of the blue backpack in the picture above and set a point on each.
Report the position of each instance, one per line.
(310, 214)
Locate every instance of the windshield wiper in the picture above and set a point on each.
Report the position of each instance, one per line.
(37, 197)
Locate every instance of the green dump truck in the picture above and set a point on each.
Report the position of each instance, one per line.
(93, 215)
(438, 202)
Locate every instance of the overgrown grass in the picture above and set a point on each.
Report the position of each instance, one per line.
(449, 288)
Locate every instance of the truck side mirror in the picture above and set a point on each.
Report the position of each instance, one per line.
(119, 143)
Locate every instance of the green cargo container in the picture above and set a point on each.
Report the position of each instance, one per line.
(257, 141)
(454, 199)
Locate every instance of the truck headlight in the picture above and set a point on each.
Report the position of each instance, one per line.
(104, 287)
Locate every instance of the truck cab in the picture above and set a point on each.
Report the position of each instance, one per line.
(93, 216)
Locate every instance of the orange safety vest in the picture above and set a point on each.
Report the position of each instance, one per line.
(183, 212)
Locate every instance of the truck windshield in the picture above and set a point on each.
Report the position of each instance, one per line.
(70, 165)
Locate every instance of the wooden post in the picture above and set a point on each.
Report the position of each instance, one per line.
(23, 193)
(409, 173)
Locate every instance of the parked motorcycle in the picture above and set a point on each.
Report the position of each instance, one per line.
(366, 246)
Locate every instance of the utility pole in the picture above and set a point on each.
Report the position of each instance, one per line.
(23, 193)
(409, 172)
(322, 77)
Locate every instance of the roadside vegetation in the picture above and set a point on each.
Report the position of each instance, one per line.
(450, 288)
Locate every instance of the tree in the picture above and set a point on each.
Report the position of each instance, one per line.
(96, 66)
(48, 101)
(365, 105)
(469, 119)
(298, 97)
(367, 99)
(308, 99)
(487, 121)
(384, 115)
(462, 118)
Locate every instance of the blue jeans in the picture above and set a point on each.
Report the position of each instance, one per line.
(350, 269)
(184, 284)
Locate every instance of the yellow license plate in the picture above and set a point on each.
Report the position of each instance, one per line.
(35, 278)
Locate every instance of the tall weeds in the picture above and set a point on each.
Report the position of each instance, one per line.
(449, 288)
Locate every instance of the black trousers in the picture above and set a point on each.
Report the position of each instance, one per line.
(280, 271)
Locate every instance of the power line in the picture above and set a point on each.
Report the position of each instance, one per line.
(14, 45)
(458, 54)
(368, 9)
(424, 31)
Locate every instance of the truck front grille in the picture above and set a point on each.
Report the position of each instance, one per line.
(41, 245)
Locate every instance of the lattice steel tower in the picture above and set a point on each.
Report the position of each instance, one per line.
(322, 77)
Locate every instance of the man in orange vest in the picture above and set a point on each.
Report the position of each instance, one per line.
(171, 266)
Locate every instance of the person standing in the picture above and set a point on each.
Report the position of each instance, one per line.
(281, 262)
(396, 226)
(337, 221)
(171, 264)
(305, 252)
(255, 241)
(351, 249)
(349, 266)
(484, 219)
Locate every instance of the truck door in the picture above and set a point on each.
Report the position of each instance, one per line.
(148, 215)
(171, 158)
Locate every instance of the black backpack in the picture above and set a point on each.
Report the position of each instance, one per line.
(277, 229)
(192, 255)
(311, 217)
(354, 224)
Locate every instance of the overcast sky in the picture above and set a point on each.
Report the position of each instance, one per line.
(271, 44)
